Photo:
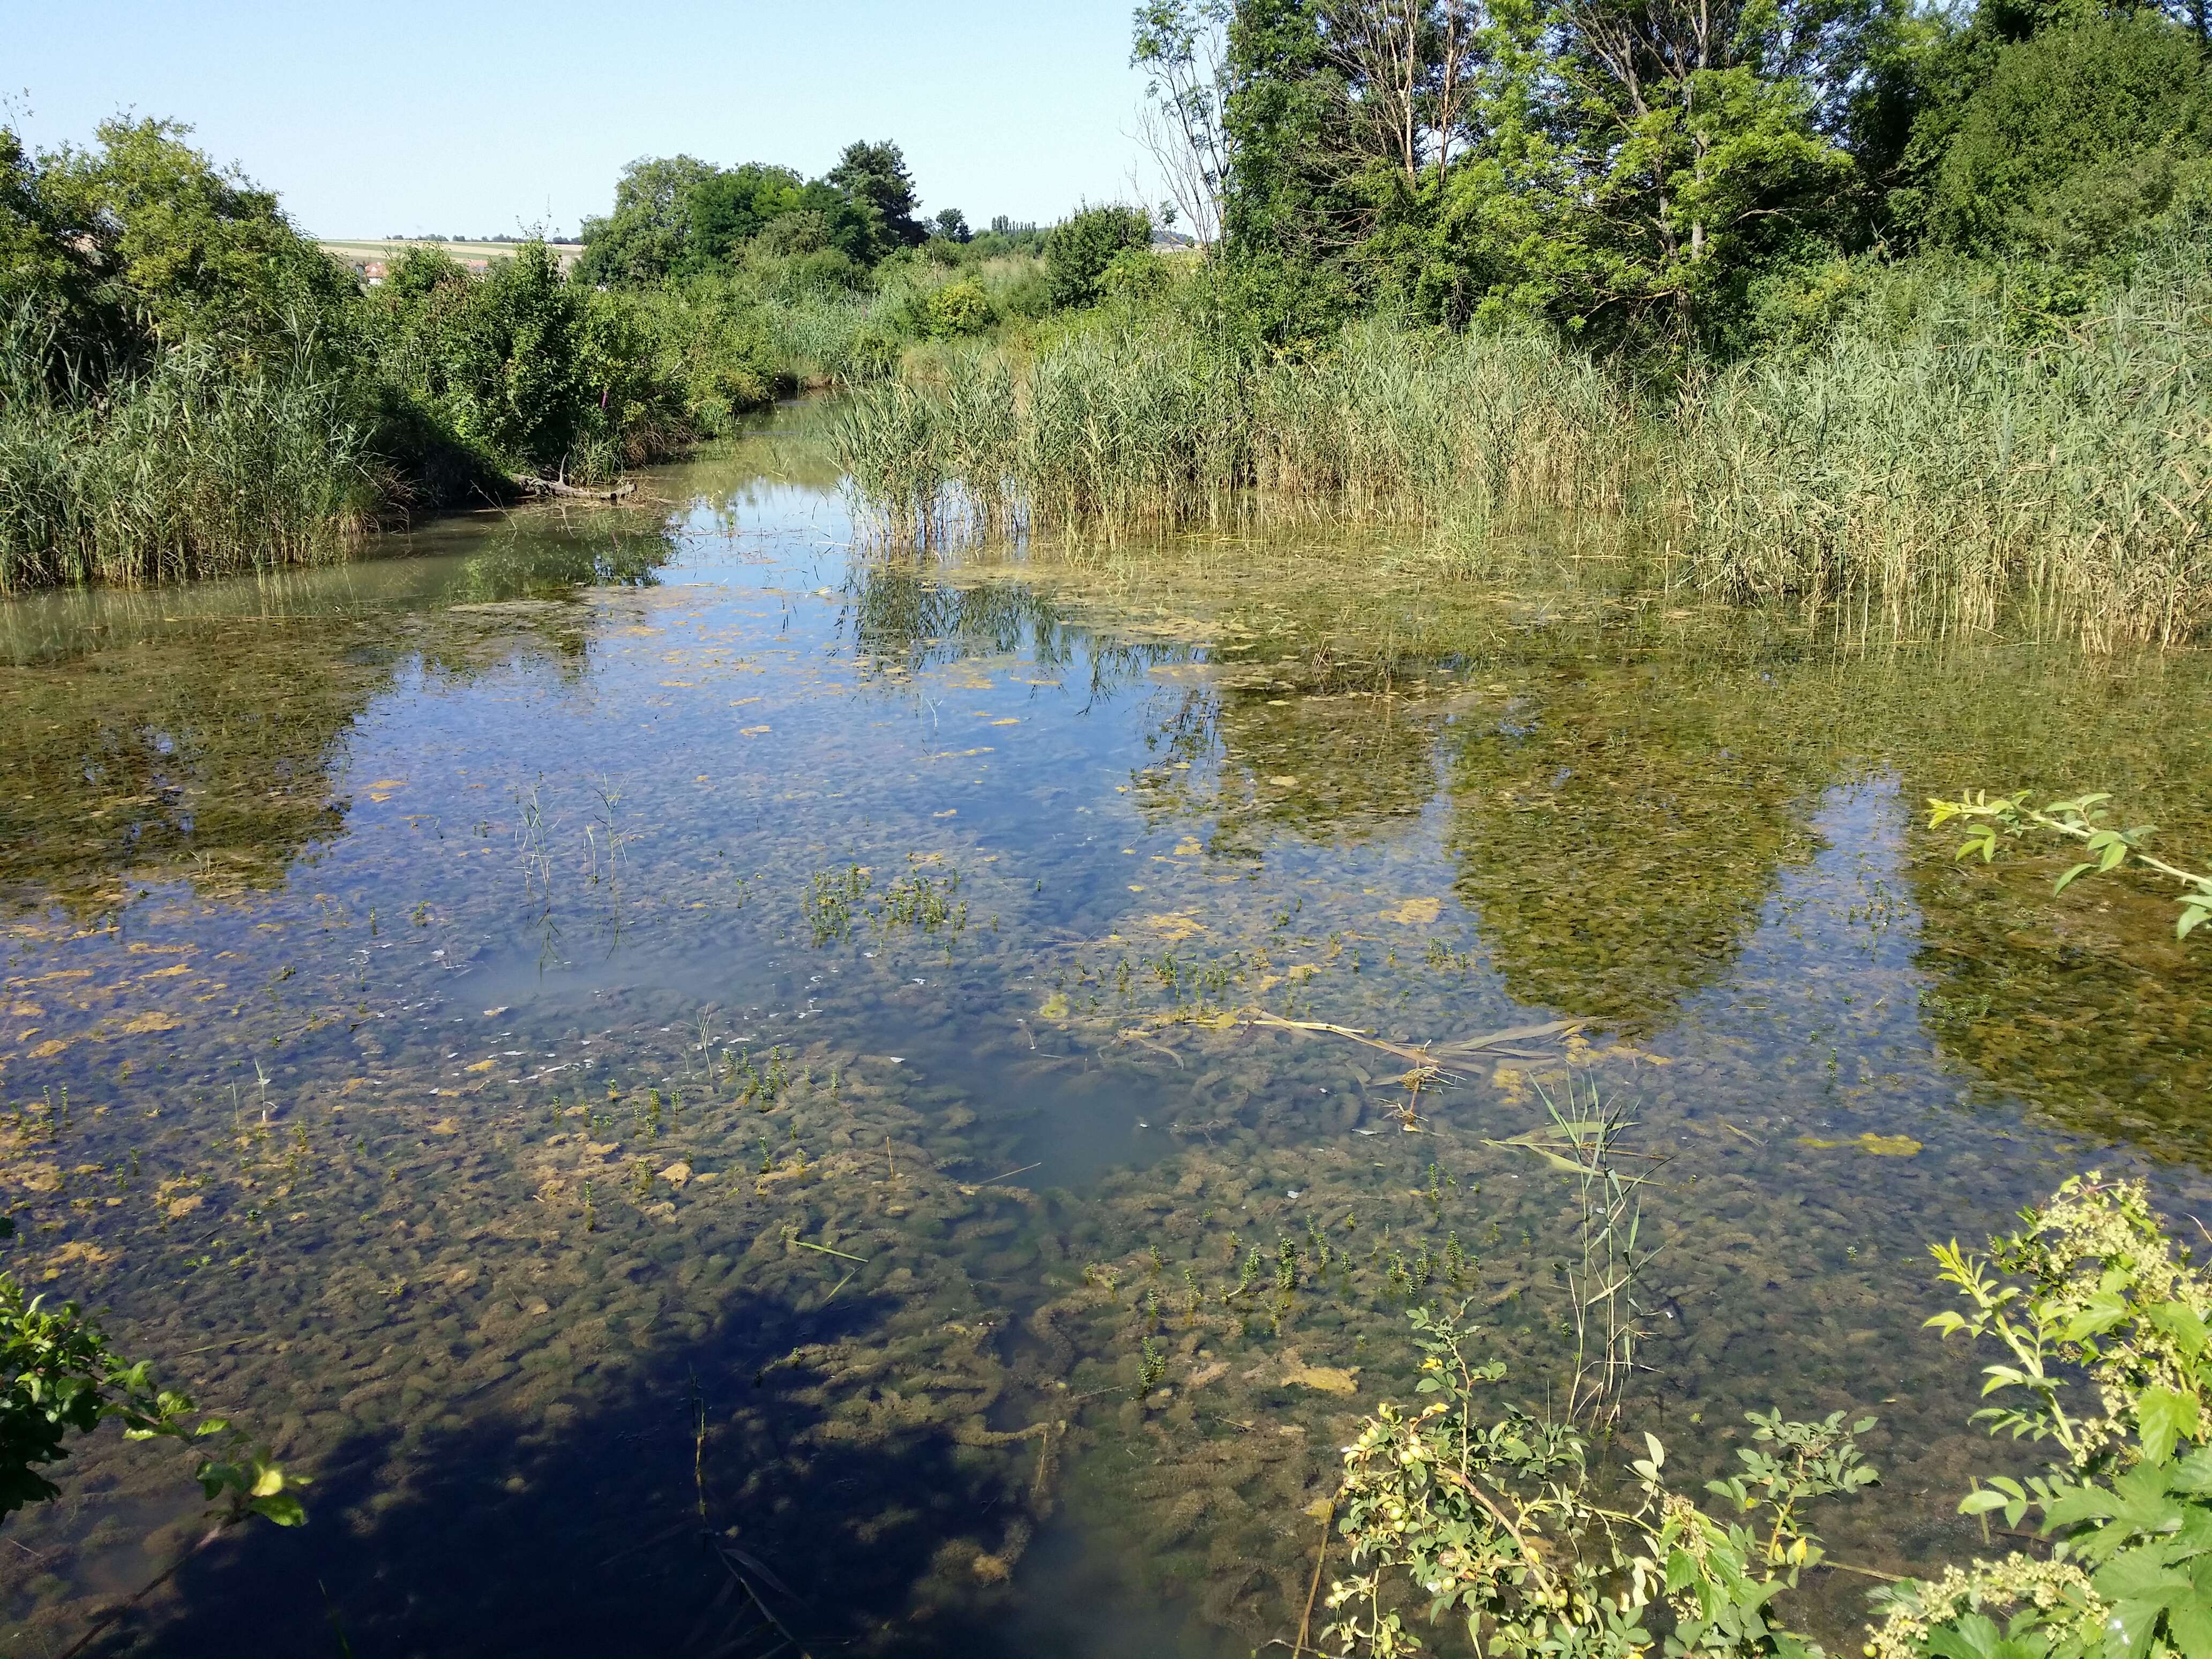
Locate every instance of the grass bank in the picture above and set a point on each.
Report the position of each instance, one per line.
(1924, 461)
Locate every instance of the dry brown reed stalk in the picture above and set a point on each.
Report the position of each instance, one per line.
(1435, 1059)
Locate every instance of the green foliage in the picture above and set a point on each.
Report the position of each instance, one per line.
(1146, 414)
(522, 365)
(1636, 174)
(2065, 116)
(1495, 1520)
(874, 179)
(1134, 274)
(1493, 1517)
(1951, 452)
(678, 216)
(1080, 249)
(187, 385)
(728, 207)
(179, 469)
(142, 243)
(2010, 819)
(646, 233)
(2091, 1287)
(63, 1379)
(957, 309)
(1283, 105)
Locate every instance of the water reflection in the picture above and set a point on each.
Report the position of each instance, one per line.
(202, 734)
(1618, 844)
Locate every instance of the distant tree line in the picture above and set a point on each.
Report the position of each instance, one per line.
(678, 216)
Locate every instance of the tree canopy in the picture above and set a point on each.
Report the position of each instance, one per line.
(677, 217)
(1640, 172)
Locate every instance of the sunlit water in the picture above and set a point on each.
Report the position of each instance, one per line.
(681, 1072)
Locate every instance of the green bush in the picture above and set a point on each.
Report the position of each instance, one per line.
(2073, 106)
(1491, 1516)
(958, 309)
(1079, 250)
(542, 374)
(1134, 274)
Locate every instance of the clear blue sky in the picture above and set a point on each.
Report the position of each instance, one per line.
(475, 116)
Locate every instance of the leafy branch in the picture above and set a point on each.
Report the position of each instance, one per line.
(59, 1376)
(1494, 1519)
(1492, 1516)
(2082, 819)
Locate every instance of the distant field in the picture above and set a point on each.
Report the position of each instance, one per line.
(363, 250)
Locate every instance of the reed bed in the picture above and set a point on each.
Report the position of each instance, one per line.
(1937, 475)
(183, 471)
(1125, 428)
(1404, 426)
(1938, 480)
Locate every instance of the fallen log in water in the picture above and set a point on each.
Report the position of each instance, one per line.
(531, 486)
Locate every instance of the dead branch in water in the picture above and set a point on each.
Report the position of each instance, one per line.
(534, 486)
(1434, 1059)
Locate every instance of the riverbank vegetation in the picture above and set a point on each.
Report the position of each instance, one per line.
(1495, 1522)
(1840, 303)
(1846, 304)
(189, 386)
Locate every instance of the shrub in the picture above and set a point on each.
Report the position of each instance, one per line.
(2089, 99)
(957, 309)
(1494, 1517)
(1079, 250)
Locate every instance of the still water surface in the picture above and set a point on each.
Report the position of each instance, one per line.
(682, 1070)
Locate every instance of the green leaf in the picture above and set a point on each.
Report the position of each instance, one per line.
(2067, 879)
(2190, 1624)
(2136, 1621)
(282, 1508)
(2140, 1575)
(2182, 1324)
(2192, 1473)
(2103, 1310)
(1970, 1636)
(1681, 1569)
(2162, 1417)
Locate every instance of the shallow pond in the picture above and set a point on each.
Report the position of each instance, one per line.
(690, 1075)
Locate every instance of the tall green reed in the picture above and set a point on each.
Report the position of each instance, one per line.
(1937, 474)
(1142, 424)
(183, 469)
(1939, 477)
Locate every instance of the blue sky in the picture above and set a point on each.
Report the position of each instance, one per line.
(475, 118)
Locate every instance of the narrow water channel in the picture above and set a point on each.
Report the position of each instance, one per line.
(717, 1089)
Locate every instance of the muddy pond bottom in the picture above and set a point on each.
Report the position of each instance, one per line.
(722, 1093)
